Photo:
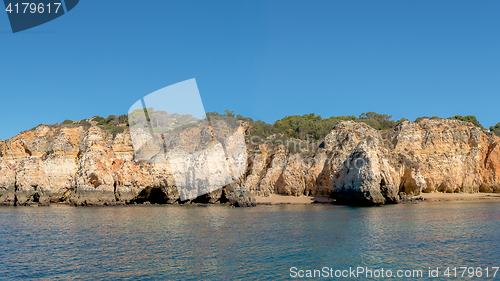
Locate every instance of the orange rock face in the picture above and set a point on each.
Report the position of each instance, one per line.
(355, 164)
(445, 156)
(360, 165)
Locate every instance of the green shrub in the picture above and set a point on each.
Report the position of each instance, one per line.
(245, 119)
(97, 119)
(122, 119)
(84, 122)
(378, 121)
(468, 118)
(67, 121)
(496, 129)
(110, 118)
(117, 130)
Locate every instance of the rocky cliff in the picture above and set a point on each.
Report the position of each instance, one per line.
(355, 164)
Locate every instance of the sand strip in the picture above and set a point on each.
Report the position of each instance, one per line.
(459, 196)
(283, 199)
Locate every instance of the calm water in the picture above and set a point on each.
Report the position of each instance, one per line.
(218, 242)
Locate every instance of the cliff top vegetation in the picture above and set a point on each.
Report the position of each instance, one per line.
(307, 126)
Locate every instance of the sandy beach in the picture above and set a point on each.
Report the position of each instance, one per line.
(282, 199)
(459, 196)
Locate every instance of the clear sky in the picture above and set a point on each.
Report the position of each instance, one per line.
(262, 59)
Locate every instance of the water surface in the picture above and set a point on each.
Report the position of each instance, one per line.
(218, 242)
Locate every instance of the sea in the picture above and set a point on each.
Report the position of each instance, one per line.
(447, 240)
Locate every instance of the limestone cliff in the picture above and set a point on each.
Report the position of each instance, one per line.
(355, 164)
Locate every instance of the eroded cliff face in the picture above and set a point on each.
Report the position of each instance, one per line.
(354, 164)
(446, 156)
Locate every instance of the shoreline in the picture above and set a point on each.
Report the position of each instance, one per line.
(458, 196)
(275, 199)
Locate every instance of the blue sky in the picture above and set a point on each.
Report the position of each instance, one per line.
(263, 59)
